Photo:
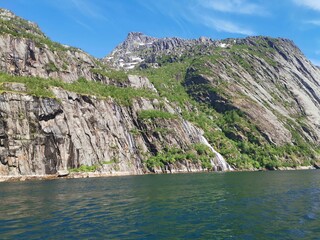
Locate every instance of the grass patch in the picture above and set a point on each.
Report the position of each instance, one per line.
(167, 80)
(84, 168)
(155, 114)
(41, 88)
(51, 67)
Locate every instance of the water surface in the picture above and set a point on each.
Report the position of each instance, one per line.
(247, 205)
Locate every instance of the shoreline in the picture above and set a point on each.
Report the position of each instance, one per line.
(80, 175)
(23, 178)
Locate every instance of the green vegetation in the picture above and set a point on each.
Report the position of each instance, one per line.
(19, 27)
(260, 50)
(134, 131)
(51, 67)
(84, 168)
(41, 88)
(153, 114)
(65, 66)
(112, 161)
(123, 95)
(168, 81)
(197, 153)
(35, 86)
(246, 148)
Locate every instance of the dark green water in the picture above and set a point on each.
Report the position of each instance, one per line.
(253, 205)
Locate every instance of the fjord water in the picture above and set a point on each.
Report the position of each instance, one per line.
(239, 205)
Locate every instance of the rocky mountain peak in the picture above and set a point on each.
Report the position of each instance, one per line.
(139, 37)
(135, 40)
(138, 48)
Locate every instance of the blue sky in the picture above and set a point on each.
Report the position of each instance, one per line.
(97, 26)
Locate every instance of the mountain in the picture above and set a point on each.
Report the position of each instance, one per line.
(139, 48)
(154, 105)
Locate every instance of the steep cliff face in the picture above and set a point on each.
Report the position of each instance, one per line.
(43, 135)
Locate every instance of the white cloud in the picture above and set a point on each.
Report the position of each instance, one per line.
(226, 26)
(313, 4)
(201, 12)
(88, 9)
(84, 25)
(175, 10)
(234, 6)
(314, 22)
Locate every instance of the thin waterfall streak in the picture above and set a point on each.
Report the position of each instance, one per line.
(221, 162)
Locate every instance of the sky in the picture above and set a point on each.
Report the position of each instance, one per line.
(98, 26)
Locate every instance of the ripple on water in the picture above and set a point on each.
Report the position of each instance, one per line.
(272, 205)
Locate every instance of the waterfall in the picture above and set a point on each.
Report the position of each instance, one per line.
(221, 162)
(197, 135)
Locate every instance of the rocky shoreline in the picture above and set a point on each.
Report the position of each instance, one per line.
(55, 176)
(118, 174)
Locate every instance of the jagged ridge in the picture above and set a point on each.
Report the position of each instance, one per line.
(138, 48)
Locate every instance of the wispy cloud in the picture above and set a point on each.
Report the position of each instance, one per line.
(206, 15)
(313, 22)
(88, 9)
(234, 6)
(204, 12)
(313, 4)
(84, 8)
(84, 25)
(226, 26)
(175, 10)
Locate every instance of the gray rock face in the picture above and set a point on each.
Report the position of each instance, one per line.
(139, 82)
(23, 57)
(45, 136)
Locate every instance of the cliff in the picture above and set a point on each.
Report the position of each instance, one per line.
(154, 105)
(44, 135)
